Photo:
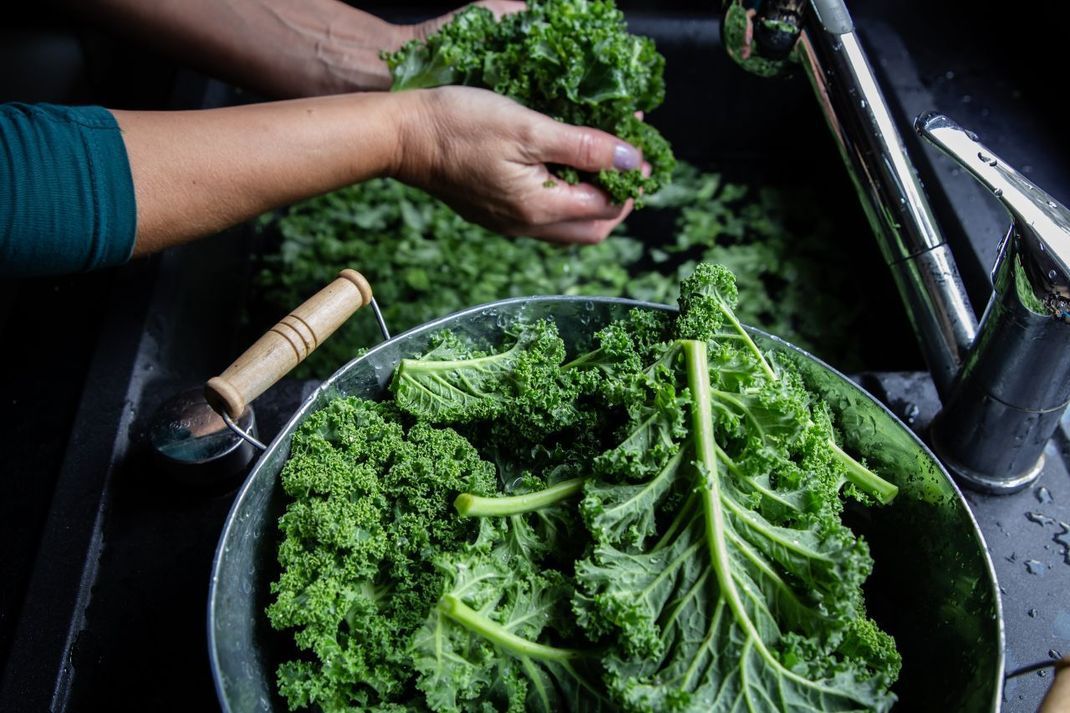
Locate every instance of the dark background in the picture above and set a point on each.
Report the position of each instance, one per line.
(998, 67)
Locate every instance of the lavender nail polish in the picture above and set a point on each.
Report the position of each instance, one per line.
(625, 157)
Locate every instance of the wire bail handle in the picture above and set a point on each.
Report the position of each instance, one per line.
(286, 345)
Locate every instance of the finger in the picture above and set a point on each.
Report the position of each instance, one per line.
(562, 203)
(501, 8)
(583, 148)
(584, 232)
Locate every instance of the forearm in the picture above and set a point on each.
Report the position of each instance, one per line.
(196, 173)
(283, 48)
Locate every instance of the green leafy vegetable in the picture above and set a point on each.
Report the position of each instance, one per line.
(425, 262)
(480, 643)
(370, 503)
(571, 59)
(520, 385)
(664, 534)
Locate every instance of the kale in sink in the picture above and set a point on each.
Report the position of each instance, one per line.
(424, 261)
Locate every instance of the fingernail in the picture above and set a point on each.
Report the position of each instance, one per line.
(625, 157)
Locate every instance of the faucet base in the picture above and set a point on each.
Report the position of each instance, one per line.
(982, 482)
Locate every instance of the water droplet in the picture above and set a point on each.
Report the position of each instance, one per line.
(1013, 557)
(862, 104)
(1054, 654)
(983, 156)
(1036, 567)
(1062, 539)
(997, 192)
(1039, 518)
(1053, 204)
(911, 413)
(1032, 613)
(972, 135)
(949, 74)
(1052, 274)
(1042, 672)
(1043, 495)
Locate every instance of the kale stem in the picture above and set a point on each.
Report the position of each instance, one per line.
(709, 490)
(750, 342)
(469, 505)
(864, 478)
(495, 633)
(582, 359)
(698, 381)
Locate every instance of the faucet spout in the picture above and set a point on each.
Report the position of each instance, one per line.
(1041, 223)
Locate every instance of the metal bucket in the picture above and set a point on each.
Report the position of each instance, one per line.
(933, 585)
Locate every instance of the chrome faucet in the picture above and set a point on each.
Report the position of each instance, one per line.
(1006, 383)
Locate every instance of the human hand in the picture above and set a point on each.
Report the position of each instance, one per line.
(486, 156)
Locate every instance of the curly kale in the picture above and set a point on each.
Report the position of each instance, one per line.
(571, 59)
(652, 525)
(425, 261)
(370, 503)
(524, 386)
(722, 577)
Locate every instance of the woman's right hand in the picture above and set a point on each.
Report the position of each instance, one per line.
(198, 172)
(486, 156)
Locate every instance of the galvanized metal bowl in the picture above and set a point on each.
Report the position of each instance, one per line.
(933, 586)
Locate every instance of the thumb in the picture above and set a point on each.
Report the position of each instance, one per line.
(586, 149)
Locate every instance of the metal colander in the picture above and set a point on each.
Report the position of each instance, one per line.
(933, 585)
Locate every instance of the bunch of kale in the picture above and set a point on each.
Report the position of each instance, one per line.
(573, 60)
(651, 525)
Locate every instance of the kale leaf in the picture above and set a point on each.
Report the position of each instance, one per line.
(369, 502)
(481, 643)
(724, 579)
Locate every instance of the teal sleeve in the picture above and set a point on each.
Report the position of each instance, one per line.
(66, 193)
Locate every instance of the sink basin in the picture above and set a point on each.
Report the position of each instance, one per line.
(177, 319)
